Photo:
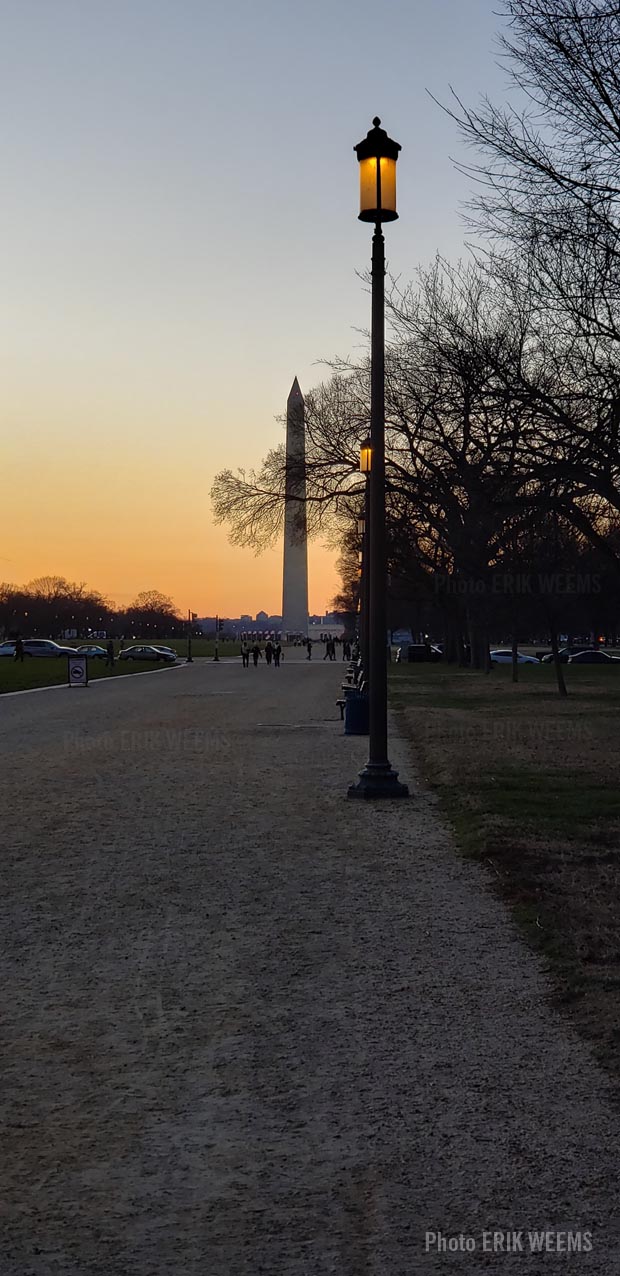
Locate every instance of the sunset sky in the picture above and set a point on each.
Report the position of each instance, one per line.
(180, 239)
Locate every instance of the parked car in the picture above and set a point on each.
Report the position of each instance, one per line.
(593, 656)
(418, 653)
(37, 647)
(503, 656)
(93, 652)
(147, 653)
(170, 650)
(564, 655)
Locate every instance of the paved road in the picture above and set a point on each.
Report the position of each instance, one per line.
(252, 1027)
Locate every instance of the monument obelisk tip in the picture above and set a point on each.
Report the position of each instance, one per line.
(295, 573)
(295, 393)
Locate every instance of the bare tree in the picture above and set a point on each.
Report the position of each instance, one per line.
(549, 180)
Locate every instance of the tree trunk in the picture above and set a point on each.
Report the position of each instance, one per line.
(478, 644)
(559, 672)
(452, 641)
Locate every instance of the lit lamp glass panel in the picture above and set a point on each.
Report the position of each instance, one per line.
(378, 199)
(388, 187)
(366, 457)
(368, 185)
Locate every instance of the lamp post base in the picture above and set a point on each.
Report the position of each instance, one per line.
(378, 780)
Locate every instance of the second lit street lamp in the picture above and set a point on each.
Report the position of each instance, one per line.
(377, 156)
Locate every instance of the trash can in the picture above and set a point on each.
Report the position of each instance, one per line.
(356, 714)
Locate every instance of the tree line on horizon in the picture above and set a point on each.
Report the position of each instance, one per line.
(502, 373)
(50, 605)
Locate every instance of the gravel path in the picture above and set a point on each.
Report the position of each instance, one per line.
(251, 1027)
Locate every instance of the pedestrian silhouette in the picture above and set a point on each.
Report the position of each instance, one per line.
(19, 650)
(245, 655)
(256, 654)
(109, 660)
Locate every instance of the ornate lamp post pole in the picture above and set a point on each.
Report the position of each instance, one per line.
(364, 529)
(377, 156)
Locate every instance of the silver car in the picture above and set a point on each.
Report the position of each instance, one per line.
(37, 647)
(503, 656)
(93, 651)
(147, 653)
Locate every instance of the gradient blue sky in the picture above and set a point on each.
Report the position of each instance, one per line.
(180, 239)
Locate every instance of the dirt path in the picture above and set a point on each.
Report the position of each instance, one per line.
(251, 1027)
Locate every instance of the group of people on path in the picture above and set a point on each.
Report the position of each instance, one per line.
(273, 653)
(330, 649)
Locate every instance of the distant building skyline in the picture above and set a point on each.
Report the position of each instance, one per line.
(264, 620)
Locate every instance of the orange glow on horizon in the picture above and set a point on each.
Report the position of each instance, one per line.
(124, 505)
(100, 529)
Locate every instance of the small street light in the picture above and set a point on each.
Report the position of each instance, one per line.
(366, 457)
(377, 155)
(190, 658)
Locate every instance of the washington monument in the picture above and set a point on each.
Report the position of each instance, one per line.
(295, 581)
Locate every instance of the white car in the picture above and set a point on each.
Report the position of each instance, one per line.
(504, 657)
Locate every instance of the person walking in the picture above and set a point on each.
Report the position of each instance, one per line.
(256, 654)
(332, 649)
(245, 655)
(277, 652)
(326, 655)
(268, 651)
(18, 654)
(109, 658)
(309, 649)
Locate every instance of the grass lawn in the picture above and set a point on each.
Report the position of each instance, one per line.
(531, 784)
(37, 672)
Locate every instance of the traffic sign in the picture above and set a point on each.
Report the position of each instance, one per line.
(78, 670)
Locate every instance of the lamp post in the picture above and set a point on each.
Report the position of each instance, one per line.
(377, 155)
(364, 529)
(190, 658)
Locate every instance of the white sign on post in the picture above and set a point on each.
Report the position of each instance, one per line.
(78, 670)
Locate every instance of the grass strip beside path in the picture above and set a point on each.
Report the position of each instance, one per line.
(38, 672)
(531, 785)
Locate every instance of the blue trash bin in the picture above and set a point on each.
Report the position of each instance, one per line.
(356, 714)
